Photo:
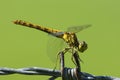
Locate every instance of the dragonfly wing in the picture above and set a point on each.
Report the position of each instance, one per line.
(54, 46)
(76, 29)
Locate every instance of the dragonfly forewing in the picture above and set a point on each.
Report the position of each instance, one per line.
(76, 29)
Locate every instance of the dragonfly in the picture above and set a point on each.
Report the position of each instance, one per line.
(69, 36)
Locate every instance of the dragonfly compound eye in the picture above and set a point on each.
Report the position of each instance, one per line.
(82, 46)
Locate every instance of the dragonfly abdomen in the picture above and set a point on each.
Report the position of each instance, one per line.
(27, 24)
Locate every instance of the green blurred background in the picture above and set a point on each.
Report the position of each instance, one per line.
(24, 47)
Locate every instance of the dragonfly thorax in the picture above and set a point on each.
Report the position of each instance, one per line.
(71, 39)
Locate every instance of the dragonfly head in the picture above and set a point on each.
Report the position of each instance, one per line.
(82, 46)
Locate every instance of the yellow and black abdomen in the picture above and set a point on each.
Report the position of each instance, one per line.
(51, 31)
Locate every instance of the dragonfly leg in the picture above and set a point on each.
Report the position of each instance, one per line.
(66, 50)
(59, 53)
(72, 58)
(76, 59)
